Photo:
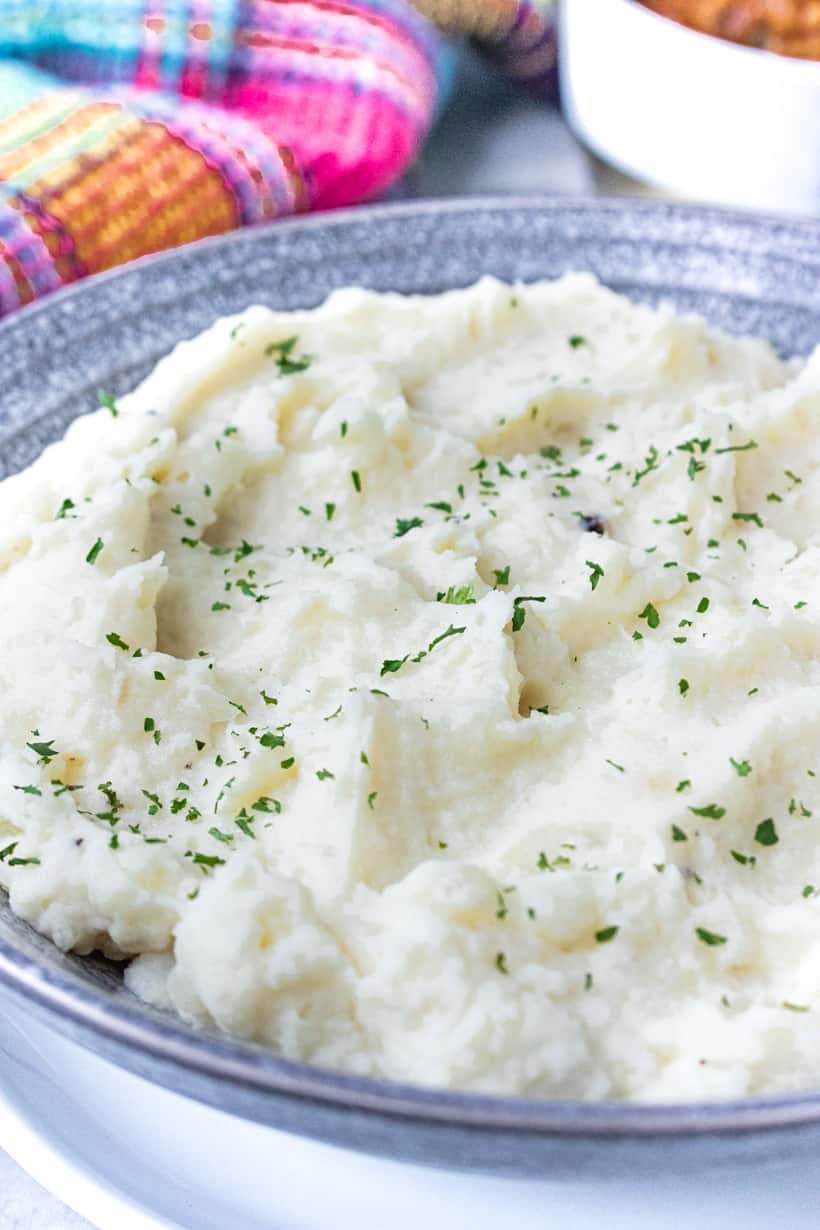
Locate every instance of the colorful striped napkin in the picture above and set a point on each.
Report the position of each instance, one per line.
(129, 126)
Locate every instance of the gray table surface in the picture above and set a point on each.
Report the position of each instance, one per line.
(492, 139)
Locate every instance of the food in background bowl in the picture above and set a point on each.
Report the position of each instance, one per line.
(790, 27)
(427, 688)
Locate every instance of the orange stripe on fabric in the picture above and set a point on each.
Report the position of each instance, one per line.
(150, 194)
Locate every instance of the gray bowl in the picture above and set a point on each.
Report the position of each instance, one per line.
(746, 274)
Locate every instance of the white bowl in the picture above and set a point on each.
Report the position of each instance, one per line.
(693, 114)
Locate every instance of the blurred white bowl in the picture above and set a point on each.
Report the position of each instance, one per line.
(689, 113)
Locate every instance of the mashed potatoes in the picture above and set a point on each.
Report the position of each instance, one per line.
(429, 688)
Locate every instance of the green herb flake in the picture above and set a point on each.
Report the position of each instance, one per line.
(606, 934)
(577, 341)
(115, 639)
(678, 834)
(391, 665)
(208, 860)
(766, 833)
(453, 631)
(712, 811)
(741, 767)
(404, 526)
(710, 938)
(502, 576)
(463, 596)
(108, 403)
(596, 572)
(243, 823)
(356, 478)
(683, 686)
(650, 614)
(44, 751)
(746, 516)
(282, 352)
(93, 554)
(501, 963)
(738, 448)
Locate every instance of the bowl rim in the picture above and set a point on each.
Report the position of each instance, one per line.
(805, 226)
(799, 63)
(77, 1008)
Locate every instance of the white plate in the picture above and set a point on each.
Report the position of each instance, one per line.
(689, 113)
(128, 1155)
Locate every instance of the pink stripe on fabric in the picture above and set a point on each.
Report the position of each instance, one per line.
(28, 248)
(373, 138)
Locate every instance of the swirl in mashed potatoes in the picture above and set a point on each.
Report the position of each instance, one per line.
(429, 688)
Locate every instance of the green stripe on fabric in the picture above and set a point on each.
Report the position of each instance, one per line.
(102, 128)
(69, 103)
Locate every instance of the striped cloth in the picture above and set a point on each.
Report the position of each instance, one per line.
(129, 126)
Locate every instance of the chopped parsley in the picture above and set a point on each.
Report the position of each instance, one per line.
(710, 938)
(741, 767)
(283, 353)
(108, 402)
(404, 526)
(208, 860)
(44, 750)
(606, 934)
(93, 554)
(519, 614)
(115, 639)
(766, 833)
(463, 596)
(596, 572)
(746, 516)
(710, 812)
(650, 614)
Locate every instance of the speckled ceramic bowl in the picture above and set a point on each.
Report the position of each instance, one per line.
(747, 274)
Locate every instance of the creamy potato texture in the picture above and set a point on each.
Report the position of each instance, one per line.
(429, 688)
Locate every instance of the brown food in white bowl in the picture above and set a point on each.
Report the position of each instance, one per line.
(789, 27)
